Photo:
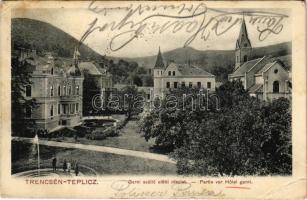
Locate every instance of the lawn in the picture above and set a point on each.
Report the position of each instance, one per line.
(129, 138)
(90, 162)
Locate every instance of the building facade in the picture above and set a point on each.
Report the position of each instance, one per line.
(57, 91)
(265, 78)
(176, 75)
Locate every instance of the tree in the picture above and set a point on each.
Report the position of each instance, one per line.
(246, 137)
(147, 80)
(137, 80)
(129, 95)
(250, 138)
(22, 125)
(169, 123)
(231, 93)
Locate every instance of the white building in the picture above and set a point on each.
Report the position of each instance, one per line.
(266, 78)
(180, 75)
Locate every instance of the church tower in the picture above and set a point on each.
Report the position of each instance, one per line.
(159, 66)
(243, 46)
(158, 71)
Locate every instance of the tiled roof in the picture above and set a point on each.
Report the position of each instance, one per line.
(90, 67)
(189, 70)
(245, 67)
(267, 66)
(285, 62)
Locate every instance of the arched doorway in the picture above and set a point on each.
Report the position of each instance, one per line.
(275, 87)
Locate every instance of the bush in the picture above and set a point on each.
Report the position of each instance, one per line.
(102, 134)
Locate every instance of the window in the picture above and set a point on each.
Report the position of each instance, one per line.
(237, 58)
(276, 71)
(183, 84)
(199, 84)
(51, 70)
(64, 90)
(77, 90)
(28, 112)
(59, 108)
(174, 73)
(59, 90)
(245, 58)
(245, 45)
(72, 108)
(275, 87)
(64, 108)
(190, 84)
(51, 91)
(148, 96)
(28, 90)
(51, 111)
(169, 73)
(168, 84)
(69, 90)
(208, 84)
(175, 84)
(77, 107)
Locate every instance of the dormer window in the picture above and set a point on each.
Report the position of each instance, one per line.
(245, 45)
(174, 73)
(169, 73)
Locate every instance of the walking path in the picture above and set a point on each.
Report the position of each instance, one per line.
(47, 172)
(104, 149)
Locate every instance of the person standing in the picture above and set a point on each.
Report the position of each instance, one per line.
(54, 164)
(77, 169)
(64, 165)
(68, 166)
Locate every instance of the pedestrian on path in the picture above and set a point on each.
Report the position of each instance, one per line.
(64, 165)
(54, 164)
(77, 169)
(68, 166)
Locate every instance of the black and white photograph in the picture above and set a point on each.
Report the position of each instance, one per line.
(147, 89)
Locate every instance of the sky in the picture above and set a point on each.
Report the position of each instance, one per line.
(167, 28)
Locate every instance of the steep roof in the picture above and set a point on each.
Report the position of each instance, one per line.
(243, 36)
(159, 62)
(90, 67)
(245, 67)
(266, 66)
(284, 61)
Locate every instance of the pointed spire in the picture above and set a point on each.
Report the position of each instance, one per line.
(243, 40)
(75, 71)
(159, 62)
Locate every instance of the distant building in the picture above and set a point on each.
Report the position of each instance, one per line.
(58, 92)
(100, 76)
(266, 78)
(179, 75)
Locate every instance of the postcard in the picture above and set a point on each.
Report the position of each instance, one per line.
(153, 99)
